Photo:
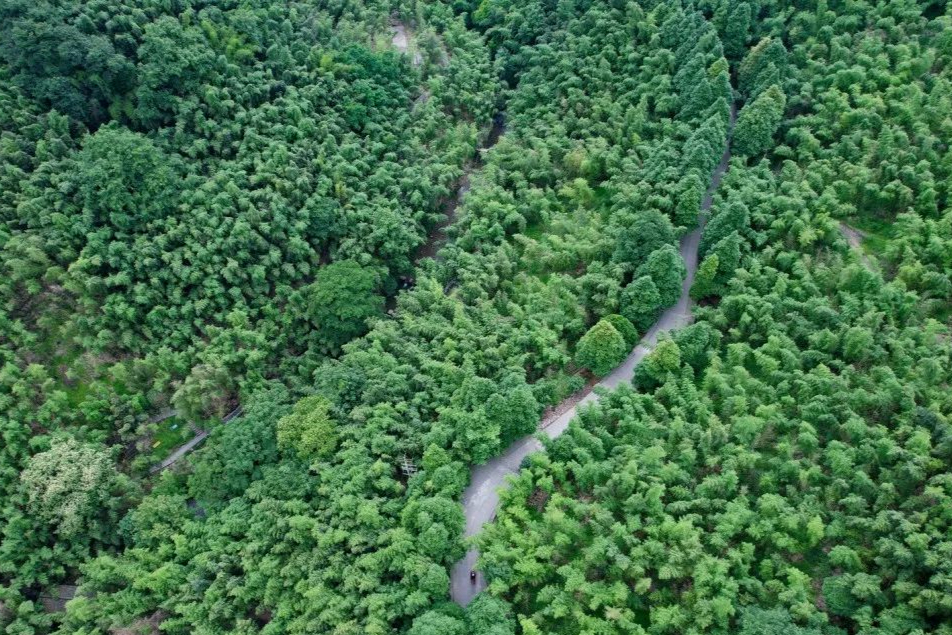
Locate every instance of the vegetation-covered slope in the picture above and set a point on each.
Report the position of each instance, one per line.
(783, 465)
(206, 203)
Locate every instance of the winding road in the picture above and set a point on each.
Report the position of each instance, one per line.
(481, 498)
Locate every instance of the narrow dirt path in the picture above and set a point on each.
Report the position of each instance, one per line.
(481, 498)
(401, 41)
(159, 417)
(438, 236)
(855, 239)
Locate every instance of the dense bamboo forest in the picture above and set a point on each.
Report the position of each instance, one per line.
(289, 291)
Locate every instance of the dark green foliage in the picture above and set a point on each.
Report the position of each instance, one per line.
(649, 230)
(705, 279)
(601, 349)
(514, 408)
(666, 269)
(758, 121)
(176, 60)
(727, 253)
(173, 182)
(764, 65)
(368, 155)
(696, 343)
(733, 217)
(204, 203)
(123, 182)
(757, 621)
(664, 360)
(689, 199)
(237, 453)
(737, 29)
(340, 301)
(624, 326)
(641, 303)
(63, 62)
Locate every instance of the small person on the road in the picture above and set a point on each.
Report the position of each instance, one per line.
(472, 576)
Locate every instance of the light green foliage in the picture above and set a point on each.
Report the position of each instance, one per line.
(758, 121)
(601, 349)
(309, 429)
(766, 474)
(654, 369)
(206, 392)
(487, 615)
(74, 489)
(434, 623)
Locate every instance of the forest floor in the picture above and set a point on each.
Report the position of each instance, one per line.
(481, 498)
(874, 232)
(402, 40)
(855, 239)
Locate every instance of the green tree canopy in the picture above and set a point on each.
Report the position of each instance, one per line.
(343, 296)
(601, 349)
(309, 429)
(758, 121)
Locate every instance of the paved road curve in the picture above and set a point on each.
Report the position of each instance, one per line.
(481, 497)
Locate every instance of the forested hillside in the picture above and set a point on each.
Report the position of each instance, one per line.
(782, 466)
(396, 234)
(200, 202)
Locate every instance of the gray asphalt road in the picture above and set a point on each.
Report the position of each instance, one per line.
(481, 498)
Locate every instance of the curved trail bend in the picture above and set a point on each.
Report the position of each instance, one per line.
(481, 498)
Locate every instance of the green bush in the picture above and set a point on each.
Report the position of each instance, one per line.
(601, 349)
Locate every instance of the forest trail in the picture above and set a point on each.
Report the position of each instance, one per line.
(159, 417)
(438, 237)
(401, 41)
(481, 498)
(192, 443)
(855, 239)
